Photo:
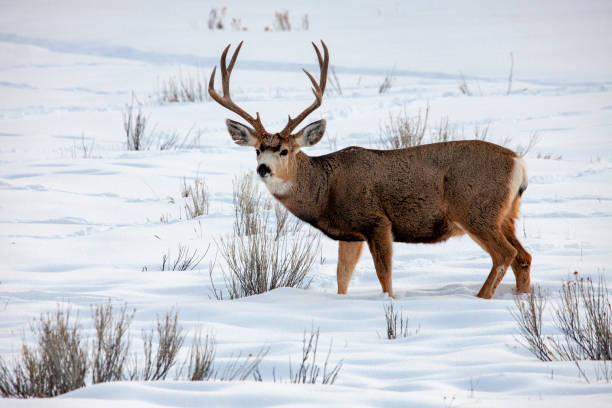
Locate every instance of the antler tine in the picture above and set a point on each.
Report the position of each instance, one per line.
(224, 75)
(318, 90)
(322, 62)
(234, 56)
(226, 100)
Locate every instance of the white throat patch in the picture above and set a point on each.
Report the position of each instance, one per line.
(277, 186)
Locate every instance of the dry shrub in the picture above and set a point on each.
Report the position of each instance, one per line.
(189, 88)
(248, 203)
(170, 338)
(387, 82)
(83, 150)
(306, 23)
(549, 156)
(334, 81)
(111, 343)
(61, 360)
(583, 316)
(258, 263)
(56, 365)
(403, 131)
(262, 255)
(242, 369)
(464, 88)
(201, 358)
(134, 125)
(510, 74)
(196, 195)
(522, 151)
(444, 133)
(397, 326)
(308, 370)
(186, 260)
(215, 18)
(285, 222)
(528, 316)
(281, 20)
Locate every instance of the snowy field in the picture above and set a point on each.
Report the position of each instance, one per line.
(78, 231)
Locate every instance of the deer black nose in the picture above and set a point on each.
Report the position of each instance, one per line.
(263, 169)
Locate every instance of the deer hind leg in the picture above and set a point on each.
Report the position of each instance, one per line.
(502, 254)
(348, 255)
(381, 247)
(521, 265)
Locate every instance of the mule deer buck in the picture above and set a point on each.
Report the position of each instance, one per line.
(422, 194)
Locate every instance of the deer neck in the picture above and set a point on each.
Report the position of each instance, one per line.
(304, 191)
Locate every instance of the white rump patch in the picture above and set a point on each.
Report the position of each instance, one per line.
(518, 177)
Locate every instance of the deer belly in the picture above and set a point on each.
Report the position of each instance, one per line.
(339, 233)
(424, 231)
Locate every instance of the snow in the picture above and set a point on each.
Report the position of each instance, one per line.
(77, 231)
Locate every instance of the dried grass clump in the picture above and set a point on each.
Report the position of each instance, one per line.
(464, 88)
(387, 82)
(196, 195)
(186, 259)
(397, 326)
(335, 87)
(134, 125)
(189, 88)
(83, 150)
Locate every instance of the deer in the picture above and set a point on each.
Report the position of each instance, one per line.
(423, 194)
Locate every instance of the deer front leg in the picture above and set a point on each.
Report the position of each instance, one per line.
(381, 247)
(348, 255)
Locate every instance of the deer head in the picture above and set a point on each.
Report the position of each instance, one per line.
(275, 151)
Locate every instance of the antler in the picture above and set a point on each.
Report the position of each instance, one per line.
(226, 100)
(318, 90)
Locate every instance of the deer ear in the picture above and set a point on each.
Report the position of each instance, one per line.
(241, 134)
(311, 134)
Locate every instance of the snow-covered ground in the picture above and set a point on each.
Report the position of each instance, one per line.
(77, 231)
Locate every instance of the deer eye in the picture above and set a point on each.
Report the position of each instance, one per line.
(257, 151)
(284, 152)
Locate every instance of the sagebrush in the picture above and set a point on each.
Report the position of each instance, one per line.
(268, 248)
(57, 364)
(582, 316)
